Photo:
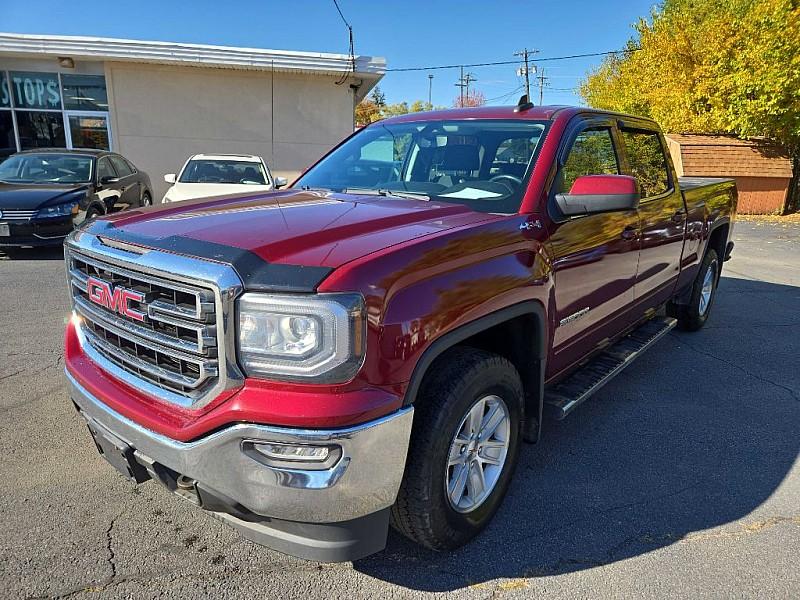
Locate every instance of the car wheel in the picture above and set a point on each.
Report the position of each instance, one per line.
(146, 199)
(93, 213)
(463, 450)
(693, 316)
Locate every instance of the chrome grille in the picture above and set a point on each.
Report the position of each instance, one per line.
(175, 347)
(8, 214)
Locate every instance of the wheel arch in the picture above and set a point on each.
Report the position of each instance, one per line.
(518, 333)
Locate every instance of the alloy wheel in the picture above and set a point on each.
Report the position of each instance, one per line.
(477, 454)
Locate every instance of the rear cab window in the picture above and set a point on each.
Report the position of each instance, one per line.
(647, 161)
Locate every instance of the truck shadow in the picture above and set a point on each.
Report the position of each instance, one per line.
(696, 434)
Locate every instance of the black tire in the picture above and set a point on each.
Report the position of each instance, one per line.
(93, 213)
(457, 381)
(147, 200)
(693, 316)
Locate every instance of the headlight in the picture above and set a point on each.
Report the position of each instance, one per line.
(317, 338)
(59, 210)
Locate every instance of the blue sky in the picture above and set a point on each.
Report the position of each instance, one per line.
(408, 33)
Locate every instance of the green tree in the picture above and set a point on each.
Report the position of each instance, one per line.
(710, 66)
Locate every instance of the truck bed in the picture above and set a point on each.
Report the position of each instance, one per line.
(707, 190)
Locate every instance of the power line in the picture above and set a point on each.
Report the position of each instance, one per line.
(511, 62)
(336, 4)
(352, 69)
(506, 95)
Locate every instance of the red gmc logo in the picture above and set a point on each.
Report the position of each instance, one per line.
(116, 299)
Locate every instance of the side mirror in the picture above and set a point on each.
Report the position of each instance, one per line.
(592, 194)
(281, 182)
(105, 180)
(170, 178)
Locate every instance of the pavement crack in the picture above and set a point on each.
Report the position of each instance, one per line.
(694, 348)
(10, 375)
(112, 562)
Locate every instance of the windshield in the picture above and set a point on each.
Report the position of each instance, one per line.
(481, 163)
(46, 168)
(224, 171)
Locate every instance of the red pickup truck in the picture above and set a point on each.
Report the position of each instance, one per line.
(371, 345)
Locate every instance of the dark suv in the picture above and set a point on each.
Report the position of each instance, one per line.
(44, 194)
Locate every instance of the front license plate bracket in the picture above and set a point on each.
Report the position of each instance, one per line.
(119, 454)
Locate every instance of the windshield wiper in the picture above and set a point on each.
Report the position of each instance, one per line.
(387, 193)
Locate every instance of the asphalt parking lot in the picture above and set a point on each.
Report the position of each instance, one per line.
(680, 478)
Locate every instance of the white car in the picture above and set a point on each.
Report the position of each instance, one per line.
(206, 175)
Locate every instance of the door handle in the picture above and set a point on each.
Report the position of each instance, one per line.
(629, 233)
(678, 216)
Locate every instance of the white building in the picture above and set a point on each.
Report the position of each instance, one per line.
(159, 102)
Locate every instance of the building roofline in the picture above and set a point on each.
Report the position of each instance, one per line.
(198, 55)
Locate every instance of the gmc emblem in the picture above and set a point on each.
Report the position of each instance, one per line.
(116, 299)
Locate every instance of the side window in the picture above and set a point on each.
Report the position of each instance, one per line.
(104, 169)
(647, 160)
(122, 168)
(592, 153)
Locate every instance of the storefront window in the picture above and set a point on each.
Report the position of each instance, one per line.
(40, 129)
(5, 91)
(7, 144)
(84, 92)
(89, 132)
(65, 110)
(35, 90)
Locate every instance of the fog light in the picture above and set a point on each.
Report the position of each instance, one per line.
(293, 452)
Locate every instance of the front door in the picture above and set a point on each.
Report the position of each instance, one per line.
(662, 214)
(594, 256)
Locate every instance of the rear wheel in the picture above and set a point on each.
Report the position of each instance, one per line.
(463, 450)
(147, 200)
(693, 316)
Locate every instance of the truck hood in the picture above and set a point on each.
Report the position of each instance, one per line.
(290, 227)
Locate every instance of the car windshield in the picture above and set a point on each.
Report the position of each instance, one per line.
(223, 171)
(46, 168)
(482, 163)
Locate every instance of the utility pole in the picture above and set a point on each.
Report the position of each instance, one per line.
(463, 83)
(542, 82)
(526, 70)
(430, 89)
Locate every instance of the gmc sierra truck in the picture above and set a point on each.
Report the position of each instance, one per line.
(372, 345)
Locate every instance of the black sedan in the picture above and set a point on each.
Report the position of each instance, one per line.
(44, 194)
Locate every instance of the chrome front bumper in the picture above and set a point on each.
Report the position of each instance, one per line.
(365, 478)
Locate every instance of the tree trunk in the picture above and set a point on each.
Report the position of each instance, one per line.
(793, 194)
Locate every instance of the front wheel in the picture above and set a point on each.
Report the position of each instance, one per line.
(464, 447)
(693, 316)
(147, 200)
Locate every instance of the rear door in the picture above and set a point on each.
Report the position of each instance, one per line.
(594, 256)
(661, 211)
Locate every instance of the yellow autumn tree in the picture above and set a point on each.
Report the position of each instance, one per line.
(710, 66)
